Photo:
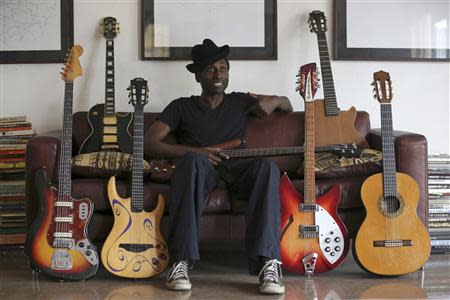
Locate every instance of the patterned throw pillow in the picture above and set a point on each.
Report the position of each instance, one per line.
(329, 165)
(104, 164)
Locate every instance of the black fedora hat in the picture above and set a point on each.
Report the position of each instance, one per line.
(206, 53)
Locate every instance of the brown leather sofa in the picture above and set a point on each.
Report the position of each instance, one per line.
(221, 221)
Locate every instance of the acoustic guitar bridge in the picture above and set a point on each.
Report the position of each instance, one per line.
(392, 243)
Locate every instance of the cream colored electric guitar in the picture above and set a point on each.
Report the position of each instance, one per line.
(135, 247)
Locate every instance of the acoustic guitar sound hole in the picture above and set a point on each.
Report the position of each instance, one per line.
(391, 205)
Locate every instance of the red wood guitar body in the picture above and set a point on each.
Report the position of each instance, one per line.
(303, 249)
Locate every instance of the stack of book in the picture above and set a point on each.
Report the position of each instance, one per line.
(14, 135)
(439, 202)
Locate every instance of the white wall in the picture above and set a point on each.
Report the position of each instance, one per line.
(420, 104)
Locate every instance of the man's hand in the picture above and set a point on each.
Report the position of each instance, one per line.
(214, 155)
(270, 103)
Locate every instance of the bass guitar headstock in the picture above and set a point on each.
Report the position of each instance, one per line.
(307, 81)
(138, 91)
(382, 87)
(110, 28)
(317, 21)
(72, 67)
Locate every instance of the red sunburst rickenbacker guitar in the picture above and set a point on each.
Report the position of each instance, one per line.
(332, 126)
(313, 237)
(392, 240)
(135, 247)
(57, 243)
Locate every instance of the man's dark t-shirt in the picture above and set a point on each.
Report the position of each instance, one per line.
(196, 124)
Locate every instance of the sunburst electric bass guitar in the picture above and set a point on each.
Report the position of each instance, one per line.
(332, 126)
(135, 247)
(57, 243)
(313, 237)
(392, 240)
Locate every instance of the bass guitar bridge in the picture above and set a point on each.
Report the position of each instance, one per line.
(61, 260)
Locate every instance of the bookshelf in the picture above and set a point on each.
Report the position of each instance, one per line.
(14, 135)
(439, 202)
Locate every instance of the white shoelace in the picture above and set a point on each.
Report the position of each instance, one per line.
(270, 271)
(179, 270)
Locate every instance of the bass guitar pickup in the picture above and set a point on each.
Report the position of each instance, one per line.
(392, 243)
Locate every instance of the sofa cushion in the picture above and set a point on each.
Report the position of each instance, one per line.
(217, 201)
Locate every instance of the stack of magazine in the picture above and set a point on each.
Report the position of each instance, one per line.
(439, 202)
(14, 135)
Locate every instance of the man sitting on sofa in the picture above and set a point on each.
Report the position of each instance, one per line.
(210, 119)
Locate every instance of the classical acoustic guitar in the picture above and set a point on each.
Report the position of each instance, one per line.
(332, 125)
(57, 243)
(313, 237)
(135, 247)
(110, 131)
(392, 240)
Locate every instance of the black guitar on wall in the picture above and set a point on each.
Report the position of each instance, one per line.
(110, 131)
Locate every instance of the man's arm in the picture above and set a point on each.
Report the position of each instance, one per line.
(271, 103)
(159, 130)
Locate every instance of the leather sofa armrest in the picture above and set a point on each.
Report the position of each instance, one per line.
(411, 157)
(42, 151)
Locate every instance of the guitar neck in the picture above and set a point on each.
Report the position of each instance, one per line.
(310, 181)
(110, 110)
(65, 158)
(387, 138)
(277, 151)
(109, 138)
(331, 108)
(137, 179)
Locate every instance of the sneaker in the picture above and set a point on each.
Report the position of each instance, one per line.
(270, 278)
(177, 278)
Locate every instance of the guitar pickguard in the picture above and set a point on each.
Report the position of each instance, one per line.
(331, 239)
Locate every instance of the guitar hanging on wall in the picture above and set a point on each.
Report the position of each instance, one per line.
(392, 240)
(332, 126)
(135, 247)
(57, 243)
(313, 237)
(109, 130)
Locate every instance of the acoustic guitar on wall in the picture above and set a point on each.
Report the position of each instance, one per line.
(110, 131)
(57, 243)
(332, 126)
(135, 247)
(392, 240)
(313, 237)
